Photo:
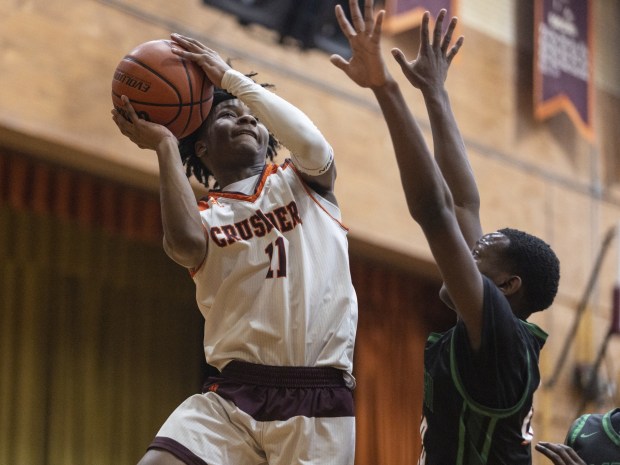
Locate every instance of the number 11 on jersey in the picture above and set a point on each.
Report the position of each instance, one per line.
(280, 250)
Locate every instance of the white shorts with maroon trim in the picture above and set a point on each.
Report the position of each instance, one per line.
(310, 421)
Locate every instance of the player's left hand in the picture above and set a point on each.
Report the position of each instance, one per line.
(208, 59)
(430, 69)
(366, 67)
(559, 454)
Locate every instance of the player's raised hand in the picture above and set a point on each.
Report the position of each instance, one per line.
(366, 67)
(144, 134)
(208, 59)
(559, 454)
(430, 69)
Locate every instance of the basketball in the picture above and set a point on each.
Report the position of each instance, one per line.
(163, 87)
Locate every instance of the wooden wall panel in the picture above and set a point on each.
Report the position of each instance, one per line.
(398, 309)
(100, 337)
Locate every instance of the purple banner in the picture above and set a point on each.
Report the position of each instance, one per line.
(402, 15)
(563, 61)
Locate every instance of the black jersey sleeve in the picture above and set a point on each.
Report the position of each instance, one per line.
(497, 374)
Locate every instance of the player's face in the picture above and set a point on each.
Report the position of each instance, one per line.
(234, 137)
(487, 255)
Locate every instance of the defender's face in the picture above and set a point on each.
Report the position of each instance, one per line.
(487, 255)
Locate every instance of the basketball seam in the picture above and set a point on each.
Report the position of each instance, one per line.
(153, 104)
(156, 73)
(183, 111)
(191, 92)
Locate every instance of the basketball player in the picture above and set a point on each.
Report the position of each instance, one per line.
(480, 376)
(592, 439)
(268, 254)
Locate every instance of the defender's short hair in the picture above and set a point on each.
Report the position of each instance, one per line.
(533, 260)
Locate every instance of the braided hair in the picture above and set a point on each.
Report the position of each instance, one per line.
(193, 165)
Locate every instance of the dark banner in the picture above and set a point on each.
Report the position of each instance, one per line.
(563, 61)
(402, 15)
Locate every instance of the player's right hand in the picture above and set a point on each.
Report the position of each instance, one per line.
(144, 134)
(366, 67)
(559, 454)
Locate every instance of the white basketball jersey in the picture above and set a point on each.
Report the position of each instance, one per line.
(275, 287)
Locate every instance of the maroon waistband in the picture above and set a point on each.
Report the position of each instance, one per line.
(283, 376)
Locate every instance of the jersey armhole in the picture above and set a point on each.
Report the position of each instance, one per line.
(194, 271)
(575, 429)
(477, 407)
(328, 207)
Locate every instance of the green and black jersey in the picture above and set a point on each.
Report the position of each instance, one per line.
(595, 439)
(478, 405)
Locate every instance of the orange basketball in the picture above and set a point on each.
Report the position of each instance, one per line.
(163, 87)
